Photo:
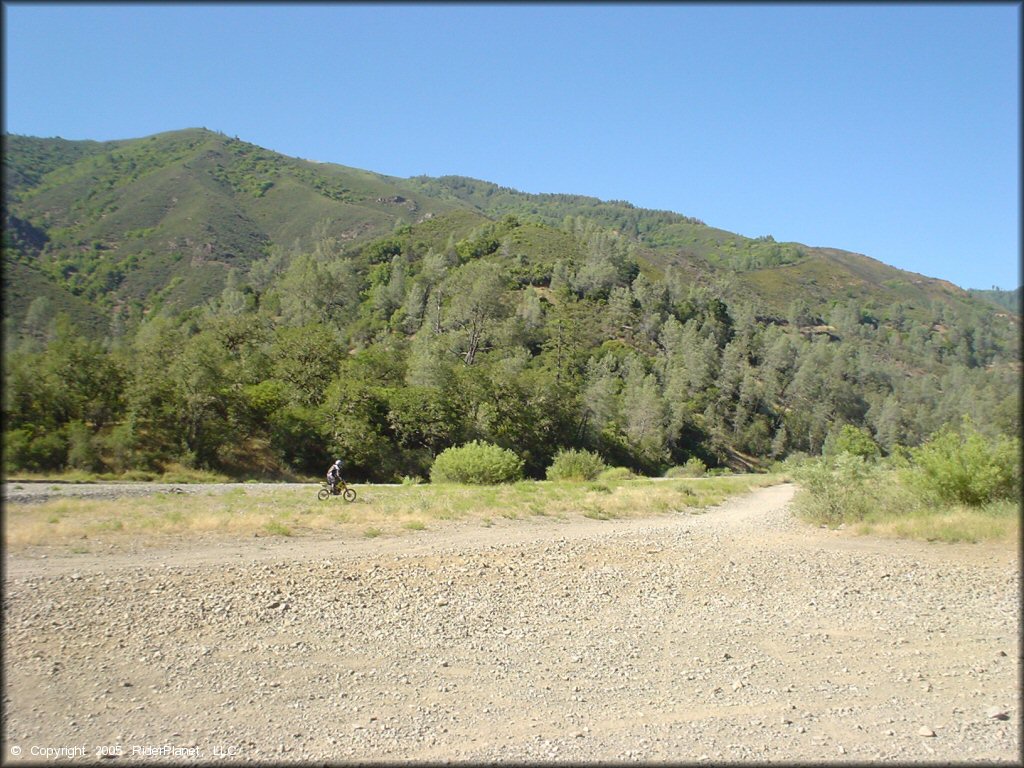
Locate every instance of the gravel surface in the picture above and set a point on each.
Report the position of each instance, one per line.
(736, 635)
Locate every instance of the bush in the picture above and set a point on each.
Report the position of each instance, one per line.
(615, 475)
(570, 464)
(693, 467)
(852, 440)
(27, 449)
(476, 463)
(82, 451)
(119, 446)
(841, 489)
(966, 467)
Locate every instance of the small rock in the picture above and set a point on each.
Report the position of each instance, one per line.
(924, 730)
(997, 713)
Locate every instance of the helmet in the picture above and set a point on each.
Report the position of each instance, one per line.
(337, 463)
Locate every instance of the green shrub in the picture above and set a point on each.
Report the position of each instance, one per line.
(853, 440)
(82, 449)
(570, 464)
(16, 446)
(615, 475)
(966, 467)
(34, 450)
(119, 447)
(476, 463)
(277, 528)
(693, 467)
(840, 489)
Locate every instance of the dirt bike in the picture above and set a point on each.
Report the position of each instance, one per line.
(341, 489)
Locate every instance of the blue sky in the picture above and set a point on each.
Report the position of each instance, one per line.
(889, 130)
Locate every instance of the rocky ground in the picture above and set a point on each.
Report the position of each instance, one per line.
(740, 634)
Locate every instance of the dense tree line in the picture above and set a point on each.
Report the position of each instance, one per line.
(390, 352)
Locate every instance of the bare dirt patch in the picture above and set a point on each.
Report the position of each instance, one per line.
(739, 634)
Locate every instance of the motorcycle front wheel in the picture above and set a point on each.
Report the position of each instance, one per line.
(349, 494)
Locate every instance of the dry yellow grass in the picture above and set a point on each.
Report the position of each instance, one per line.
(999, 522)
(379, 510)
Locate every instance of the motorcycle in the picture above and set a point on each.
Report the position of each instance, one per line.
(341, 489)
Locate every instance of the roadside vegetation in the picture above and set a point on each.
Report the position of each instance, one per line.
(960, 485)
(379, 510)
(174, 473)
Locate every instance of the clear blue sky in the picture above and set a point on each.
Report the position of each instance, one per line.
(889, 130)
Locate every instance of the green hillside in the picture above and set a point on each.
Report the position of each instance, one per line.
(189, 298)
(167, 216)
(123, 220)
(1010, 300)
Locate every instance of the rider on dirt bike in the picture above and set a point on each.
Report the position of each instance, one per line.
(334, 475)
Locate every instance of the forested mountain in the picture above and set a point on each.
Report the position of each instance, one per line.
(191, 298)
(1010, 300)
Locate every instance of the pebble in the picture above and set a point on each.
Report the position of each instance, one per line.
(645, 637)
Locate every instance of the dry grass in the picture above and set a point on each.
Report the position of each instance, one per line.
(378, 510)
(997, 522)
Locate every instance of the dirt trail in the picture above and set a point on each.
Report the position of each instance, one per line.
(735, 635)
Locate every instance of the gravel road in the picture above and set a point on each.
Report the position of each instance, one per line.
(736, 635)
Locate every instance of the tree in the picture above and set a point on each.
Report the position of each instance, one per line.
(153, 398)
(355, 427)
(311, 291)
(521, 408)
(569, 332)
(476, 305)
(203, 396)
(601, 394)
(645, 415)
(424, 418)
(690, 367)
(307, 358)
(888, 424)
(90, 380)
(39, 317)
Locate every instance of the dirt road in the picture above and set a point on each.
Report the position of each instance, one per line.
(735, 635)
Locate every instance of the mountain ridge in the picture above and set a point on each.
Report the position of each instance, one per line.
(192, 204)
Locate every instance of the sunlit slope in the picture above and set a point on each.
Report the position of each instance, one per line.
(161, 220)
